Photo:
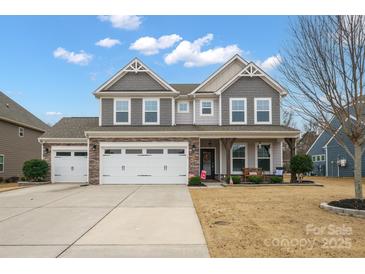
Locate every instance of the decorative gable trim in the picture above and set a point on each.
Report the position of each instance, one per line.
(135, 66)
(235, 57)
(252, 70)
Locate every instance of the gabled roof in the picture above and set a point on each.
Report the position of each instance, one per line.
(14, 113)
(219, 70)
(252, 70)
(135, 66)
(184, 89)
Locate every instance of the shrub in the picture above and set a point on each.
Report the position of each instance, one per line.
(23, 179)
(255, 179)
(13, 179)
(195, 181)
(276, 179)
(35, 170)
(236, 179)
(301, 164)
(1, 179)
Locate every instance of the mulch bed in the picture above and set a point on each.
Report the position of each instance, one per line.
(349, 203)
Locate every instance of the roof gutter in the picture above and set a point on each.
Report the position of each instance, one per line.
(62, 140)
(21, 124)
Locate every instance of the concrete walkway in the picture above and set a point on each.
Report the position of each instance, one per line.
(100, 221)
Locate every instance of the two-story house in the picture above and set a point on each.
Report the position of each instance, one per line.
(152, 132)
(19, 133)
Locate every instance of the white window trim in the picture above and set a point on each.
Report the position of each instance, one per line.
(19, 130)
(158, 111)
(201, 108)
(246, 157)
(270, 111)
(271, 156)
(230, 111)
(115, 111)
(2, 155)
(183, 102)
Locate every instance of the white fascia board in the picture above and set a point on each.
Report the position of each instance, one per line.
(235, 57)
(275, 85)
(215, 134)
(62, 140)
(122, 71)
(144, 144)
(21, 124)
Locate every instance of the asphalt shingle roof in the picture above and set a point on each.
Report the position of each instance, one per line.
(184, 89)
(10, 110)
(71, 127)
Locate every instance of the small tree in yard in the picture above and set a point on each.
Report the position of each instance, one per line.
(301, 164)
(324, 69)
(35, 170)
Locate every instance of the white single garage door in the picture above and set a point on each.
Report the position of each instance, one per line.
(69, 165)
(146, 163)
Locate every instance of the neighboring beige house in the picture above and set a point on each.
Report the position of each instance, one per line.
(19, 132)
(152, 132)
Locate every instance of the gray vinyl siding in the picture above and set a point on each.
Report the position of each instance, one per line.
(207, 120)
(107, 111)
(251, 88)
(251, 153)
(165, 111)
(184, 118)
(17, 150)
(335, 152)
(213, 143)
(136, 111)
(136, 82)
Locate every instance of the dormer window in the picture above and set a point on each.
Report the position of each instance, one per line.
(151, 111)
(206, 107)
(262, 110)
(21, 132)
(122, 112)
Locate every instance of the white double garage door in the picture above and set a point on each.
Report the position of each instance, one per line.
(128, 163)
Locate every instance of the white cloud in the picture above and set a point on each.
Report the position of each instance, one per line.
(150, 45)
(127, 22)
(270, 63)
(53, 113)
(81, 58)
(192, 55)
(107, 42)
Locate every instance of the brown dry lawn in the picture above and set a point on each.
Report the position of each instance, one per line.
(271, 221)
(9, 186)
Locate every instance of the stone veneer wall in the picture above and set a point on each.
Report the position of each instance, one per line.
(47, 156)
(94, 153)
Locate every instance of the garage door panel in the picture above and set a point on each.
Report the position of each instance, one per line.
(145, 166)
(69, 166)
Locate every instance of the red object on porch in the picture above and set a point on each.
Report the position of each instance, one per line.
(203, 175)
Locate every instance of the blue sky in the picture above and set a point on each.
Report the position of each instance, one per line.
(51, 64)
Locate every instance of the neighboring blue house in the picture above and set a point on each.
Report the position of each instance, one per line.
(330, 158)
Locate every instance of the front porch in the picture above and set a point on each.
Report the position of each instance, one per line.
(221, 157)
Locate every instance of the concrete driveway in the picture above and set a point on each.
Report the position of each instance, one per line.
(100, 221)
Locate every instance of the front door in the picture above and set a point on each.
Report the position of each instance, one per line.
(207, 162)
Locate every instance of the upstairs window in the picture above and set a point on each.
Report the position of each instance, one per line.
(262, 110)
(151, 111)
(183, 107)
(238, 110)
(21, 132)
(206, 107)
(122, 109)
